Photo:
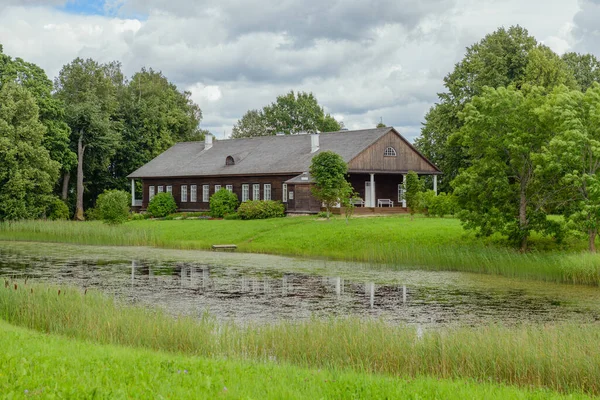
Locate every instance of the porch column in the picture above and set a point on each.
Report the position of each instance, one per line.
(373, 201)
(435, 184)
(404, 191)
(132, 193)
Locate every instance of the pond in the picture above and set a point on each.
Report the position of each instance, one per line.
(262, 288)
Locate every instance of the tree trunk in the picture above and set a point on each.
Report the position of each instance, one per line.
(80, 149)
(65, 186)
(523, 219)
(592, 240)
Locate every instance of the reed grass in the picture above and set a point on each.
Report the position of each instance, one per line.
(393, 242)
(49, 366)
(564, 358)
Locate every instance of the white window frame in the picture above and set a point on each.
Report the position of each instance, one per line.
(161, 189)
(229, 187)
(267, 191)
(217, 188)
(184, 194)
(291, 197)
(390, 152)
(256, 191)
(151, 192)
(284, 193)
(169, 189)
(245, 192)
(193, 193)
(205, 193)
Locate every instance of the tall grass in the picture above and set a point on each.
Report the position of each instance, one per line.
(564, 358)
(93, 233)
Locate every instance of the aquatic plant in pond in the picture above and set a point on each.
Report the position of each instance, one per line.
(564, 357)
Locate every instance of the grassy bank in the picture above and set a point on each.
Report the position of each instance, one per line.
(48, 366)
(398, 242)
(564, 358)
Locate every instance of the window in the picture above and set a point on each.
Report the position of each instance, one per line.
(284, 193)
(245, 192)
(217, 188)
(291, 195)
(400, 193)
(267, 192)
(256, 191)
(193, 193)
(229, 187)
(169, 189)
(389, 152)
(229, 161)
(150, 192)
(184, 193)
(205, 193)
(161, 189)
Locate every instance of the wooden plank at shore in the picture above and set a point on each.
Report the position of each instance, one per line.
(224, 246)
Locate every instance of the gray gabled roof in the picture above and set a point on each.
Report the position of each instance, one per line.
(287, 154)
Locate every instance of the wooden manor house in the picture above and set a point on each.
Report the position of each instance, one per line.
(276, 168)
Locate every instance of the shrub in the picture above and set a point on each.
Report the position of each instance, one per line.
(257, 209)
(58, 210)
(223, 202)
(438, 206)
(113, 206)
(137, 217)
(162, 205)
(231, 216)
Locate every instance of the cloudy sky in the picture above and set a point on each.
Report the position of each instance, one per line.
(363, 60)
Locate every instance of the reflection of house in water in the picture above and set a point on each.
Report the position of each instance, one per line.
(300, 286)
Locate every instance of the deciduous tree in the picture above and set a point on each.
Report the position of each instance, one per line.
(329, 170)
(27, 173)
(89, 92)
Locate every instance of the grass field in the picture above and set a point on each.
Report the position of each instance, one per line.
(563, 358)
(47, 366)
(397, 242)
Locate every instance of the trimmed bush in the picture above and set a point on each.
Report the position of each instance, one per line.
(257, 209)
(162, 205)
(58, 210)
(222, 203)
(112, 206)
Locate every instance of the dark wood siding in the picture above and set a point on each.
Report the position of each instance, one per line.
(304, 201)
(407, 159)
(276, 182)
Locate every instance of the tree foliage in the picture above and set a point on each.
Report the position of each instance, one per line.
(413, 186)
(502, 190)
(27, 173)
(584, 67)
(89, 92)
(291, 113)
(329, 170)
(573, 155)
(504, 57)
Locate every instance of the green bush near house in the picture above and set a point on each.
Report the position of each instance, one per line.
(222, 203)
(58, 210)
(162, 205)
(261, 209)
(113, 206)
(434, 205)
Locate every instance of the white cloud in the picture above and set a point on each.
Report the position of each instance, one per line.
(362, 60)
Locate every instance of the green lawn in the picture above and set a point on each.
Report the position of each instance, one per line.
(36, 365)
(397, 241)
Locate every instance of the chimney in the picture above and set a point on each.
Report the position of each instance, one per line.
(207, 141)
(314, 142)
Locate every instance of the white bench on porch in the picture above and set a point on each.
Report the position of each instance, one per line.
(387, 202)
(358, 202)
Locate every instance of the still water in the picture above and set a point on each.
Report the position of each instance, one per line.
(259, 288)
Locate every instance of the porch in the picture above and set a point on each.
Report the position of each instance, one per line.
(371, 210)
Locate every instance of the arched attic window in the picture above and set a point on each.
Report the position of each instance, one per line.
(390, 152)
(229, 161)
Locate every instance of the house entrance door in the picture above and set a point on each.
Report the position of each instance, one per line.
(369, 202)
